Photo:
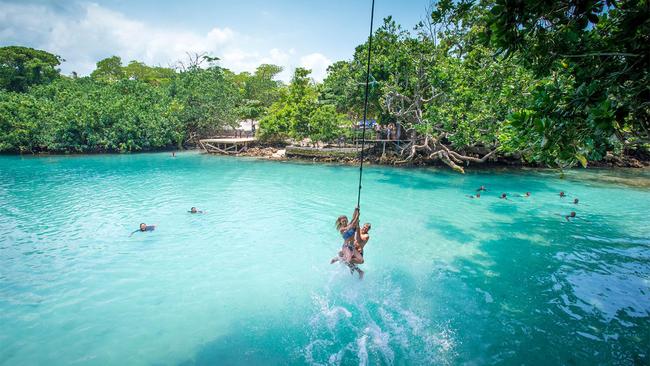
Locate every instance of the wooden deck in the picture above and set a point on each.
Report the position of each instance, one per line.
(226, 145)
(306, 151)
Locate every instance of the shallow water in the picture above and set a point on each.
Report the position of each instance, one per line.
(449, 279)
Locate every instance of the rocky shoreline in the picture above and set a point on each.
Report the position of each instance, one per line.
(392, 159)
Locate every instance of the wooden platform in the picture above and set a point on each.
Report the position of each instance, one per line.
(226, 145)
(306, 151)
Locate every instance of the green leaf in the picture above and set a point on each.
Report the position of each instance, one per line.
(582, 160)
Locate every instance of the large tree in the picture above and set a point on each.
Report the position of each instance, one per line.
(298, 114)
(22, 67)
(592, 60)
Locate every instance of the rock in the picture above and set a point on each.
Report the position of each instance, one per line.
(280, 154)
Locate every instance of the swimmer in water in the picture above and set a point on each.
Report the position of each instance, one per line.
(504, 196)
(478, 195)
(144, 227)
(194, 210)
(481, 188)
(571, 215)
(562, 195)
(524, 195)
(575, 201)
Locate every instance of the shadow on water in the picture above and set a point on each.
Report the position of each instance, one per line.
(249, 345)
(349, 323)
(431, 179)
(581, 295)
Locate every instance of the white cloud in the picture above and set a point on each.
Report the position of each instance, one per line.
(316, 62)
(85, 33)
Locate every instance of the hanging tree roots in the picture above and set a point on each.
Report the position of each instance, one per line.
(431, 150)
(427, 148)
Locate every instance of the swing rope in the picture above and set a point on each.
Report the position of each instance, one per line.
(365, 103)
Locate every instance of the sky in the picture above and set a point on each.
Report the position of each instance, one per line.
(242, 33)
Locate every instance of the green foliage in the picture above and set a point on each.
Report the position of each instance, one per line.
(258, 91)
(208, 101)
(22, 67)
(109, 70)
(118, 109)
(555, 83)
(298, 114)
(591, 59)
(85, 116)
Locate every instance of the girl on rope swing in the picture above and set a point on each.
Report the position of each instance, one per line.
(353, 239)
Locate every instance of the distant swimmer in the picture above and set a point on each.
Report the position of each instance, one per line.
(571, 215)
(478, 195)
(481, 188)
(144, 227)
(562, 195)
(504, 196)
(173, 154)
(526, 195)
(194, 210)
(575, 201)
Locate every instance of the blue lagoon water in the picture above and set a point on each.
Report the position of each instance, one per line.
(449, 279)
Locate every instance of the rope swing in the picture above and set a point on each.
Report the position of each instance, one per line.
(365, 103)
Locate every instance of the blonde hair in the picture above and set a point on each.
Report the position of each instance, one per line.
(339, 221)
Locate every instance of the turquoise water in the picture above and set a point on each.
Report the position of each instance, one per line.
(449, 279)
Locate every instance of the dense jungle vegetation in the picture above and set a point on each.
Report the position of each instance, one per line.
(545, 82)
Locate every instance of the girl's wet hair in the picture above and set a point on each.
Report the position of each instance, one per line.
(339, 221)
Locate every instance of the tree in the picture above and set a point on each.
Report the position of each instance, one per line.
(153, 75)
(298, 114)
(22, 67)
(208, 101)
(109, 70)
(592, 60)
(259, 91)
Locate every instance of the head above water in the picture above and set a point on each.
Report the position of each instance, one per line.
(572, 214)
(562, 194)
(576, 201)
(341, 222)
(193, 210)
(527, 194)
(503, 195)
(143, 227)
(478, 195)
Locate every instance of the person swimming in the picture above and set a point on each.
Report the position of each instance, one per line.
(478, 195)
(194, 210)
(481, 188)
(571, 215)
(562, 195)
(144, 227)
(526, 195)
(575, 201)
(504, 196)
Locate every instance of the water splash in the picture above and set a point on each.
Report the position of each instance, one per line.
(370, 322)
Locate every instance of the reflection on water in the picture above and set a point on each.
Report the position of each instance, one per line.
(449, 280)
